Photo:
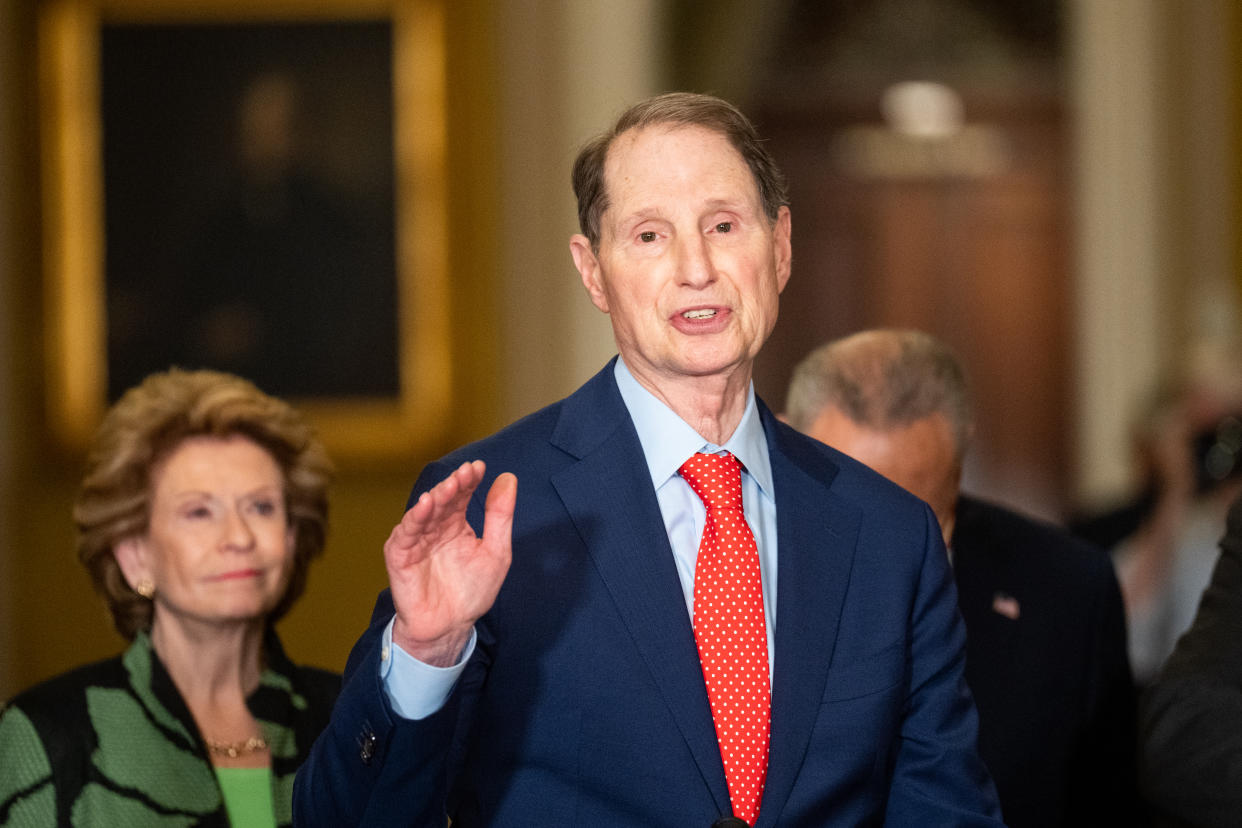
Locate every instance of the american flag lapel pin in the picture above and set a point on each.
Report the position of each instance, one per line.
(1006, 605)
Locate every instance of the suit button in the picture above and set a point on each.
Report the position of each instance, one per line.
(730, 822)
(366, 746)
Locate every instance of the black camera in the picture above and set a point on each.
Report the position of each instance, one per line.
(1218, 453)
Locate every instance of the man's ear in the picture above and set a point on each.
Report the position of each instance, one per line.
(588, 268)
(784, 248)
(133, 557)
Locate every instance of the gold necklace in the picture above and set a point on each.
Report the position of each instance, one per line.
(234, 749)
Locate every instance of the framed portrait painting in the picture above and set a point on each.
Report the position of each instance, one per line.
(254, 187)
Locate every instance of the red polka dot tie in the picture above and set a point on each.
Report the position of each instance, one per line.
(729, 629)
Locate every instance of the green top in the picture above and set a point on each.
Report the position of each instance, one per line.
(248, 796)
(113, 743)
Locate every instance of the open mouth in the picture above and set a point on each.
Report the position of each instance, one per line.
(703, 313)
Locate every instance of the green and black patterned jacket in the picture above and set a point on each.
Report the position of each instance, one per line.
(113, 744)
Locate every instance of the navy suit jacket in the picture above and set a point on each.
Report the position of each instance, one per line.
(1046, 662)
(584, 701)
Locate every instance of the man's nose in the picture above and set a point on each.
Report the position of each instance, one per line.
(694, 265)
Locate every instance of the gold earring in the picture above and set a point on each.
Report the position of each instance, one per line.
(145, 587)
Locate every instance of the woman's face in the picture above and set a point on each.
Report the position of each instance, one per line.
(219, 547)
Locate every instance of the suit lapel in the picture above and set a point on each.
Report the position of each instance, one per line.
(816, 539)
(984, 573)
(609, 497)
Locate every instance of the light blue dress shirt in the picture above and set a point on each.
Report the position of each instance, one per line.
(417, 690)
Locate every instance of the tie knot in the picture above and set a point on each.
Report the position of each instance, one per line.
(716, 479)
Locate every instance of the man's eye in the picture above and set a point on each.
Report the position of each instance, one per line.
(724, 227)
(647, 236)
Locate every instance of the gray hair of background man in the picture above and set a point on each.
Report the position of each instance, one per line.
(883, 379)
(675, 109)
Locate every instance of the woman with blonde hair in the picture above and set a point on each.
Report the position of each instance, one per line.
(203, 503)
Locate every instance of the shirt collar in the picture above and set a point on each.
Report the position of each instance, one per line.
(668, 440)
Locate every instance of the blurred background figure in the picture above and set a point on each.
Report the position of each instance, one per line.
(203, 504)
(1046, 656)
(279, 263)
(1192, 716)
(266, 264)
(1188, 448)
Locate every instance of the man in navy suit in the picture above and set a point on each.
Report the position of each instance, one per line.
(539, 665)
(1045, 626)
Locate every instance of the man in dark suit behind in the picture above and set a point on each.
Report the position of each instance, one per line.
(1045, 627)
(549, 666)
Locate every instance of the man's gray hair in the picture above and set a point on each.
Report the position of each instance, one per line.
(882, 379)
(676, 109)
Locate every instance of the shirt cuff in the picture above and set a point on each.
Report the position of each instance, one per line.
(414, 689)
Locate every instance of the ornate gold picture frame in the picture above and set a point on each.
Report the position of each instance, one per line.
(151, 250)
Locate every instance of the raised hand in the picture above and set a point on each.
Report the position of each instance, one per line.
(444, 576)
